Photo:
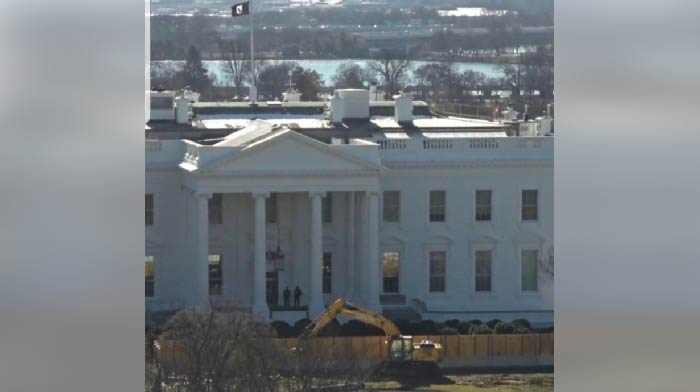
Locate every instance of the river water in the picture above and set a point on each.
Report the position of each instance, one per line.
(326, 68)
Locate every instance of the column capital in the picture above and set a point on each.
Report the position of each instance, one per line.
(263, 195)
(313, 194)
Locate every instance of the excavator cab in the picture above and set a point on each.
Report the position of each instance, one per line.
(401, 349)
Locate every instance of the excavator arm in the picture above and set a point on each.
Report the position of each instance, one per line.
(347, 309)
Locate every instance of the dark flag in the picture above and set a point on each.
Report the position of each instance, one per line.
(240, 9)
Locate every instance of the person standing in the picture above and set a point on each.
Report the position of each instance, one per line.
(286, 294)
(297, 296)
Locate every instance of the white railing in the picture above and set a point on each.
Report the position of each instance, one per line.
(392, 144)
(437, 144)
(506, 148)
(483, 143)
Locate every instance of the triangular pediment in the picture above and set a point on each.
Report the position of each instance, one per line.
(291, 152)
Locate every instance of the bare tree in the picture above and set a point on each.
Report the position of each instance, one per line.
(221, 348)
(393, 70)
(350, 75)
(236, 62)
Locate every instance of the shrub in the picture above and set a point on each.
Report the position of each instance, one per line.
(454, 323)
(300, 325)
(522, 322)
(283, 329)
(475, 322)
(463, 327)
(445, 330)
(426, 327)
(492, 323)
(502, 328)
(480, 329)
(520, 330)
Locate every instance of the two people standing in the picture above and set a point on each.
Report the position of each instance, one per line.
(287, 293)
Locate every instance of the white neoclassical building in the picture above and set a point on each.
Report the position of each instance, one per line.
(384, 203)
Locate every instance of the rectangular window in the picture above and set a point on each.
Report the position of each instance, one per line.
(529, 259)
(150, 276)
(215, 275)
(529, 205)
(149, 209)
(216, 209)
(327, 273)
(392, 206)
(390, 269)
(437, 206)
(437, 271)
(271, 208)
(327, 208)
(483, 260)
(483, 205)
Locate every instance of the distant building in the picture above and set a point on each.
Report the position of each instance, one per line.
(380, 202)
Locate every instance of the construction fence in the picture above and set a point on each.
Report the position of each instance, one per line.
(455, 346)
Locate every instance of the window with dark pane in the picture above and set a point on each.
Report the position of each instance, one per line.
(437, 206)
(392, 206)
(483, 261)
(529, 205)
(437, 271)
(483, 205)
(390, 270)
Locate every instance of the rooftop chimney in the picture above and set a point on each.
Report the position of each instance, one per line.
(403, 108)
(336, 108)
(182, 107)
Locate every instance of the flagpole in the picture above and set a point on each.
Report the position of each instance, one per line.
(253, 87)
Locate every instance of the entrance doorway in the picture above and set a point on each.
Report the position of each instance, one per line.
(272, 288)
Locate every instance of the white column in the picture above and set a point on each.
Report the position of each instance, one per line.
(373, 270)
(350, 279)
(260, 308)
(316, 264)
(202, 249)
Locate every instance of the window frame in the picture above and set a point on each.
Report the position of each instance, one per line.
(430, 206)
(477, 205)
(522, 250)
(397, 206)
(523, 206)
(476, 271)
(444, 271)
(398, 273)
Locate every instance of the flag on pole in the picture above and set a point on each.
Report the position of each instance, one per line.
(240, 9)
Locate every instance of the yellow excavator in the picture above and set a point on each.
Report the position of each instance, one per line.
(403, 353)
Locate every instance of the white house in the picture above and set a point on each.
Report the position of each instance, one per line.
(383, 203)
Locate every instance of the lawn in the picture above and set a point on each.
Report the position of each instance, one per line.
(469, 383)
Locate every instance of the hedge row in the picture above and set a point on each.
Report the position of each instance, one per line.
(424, 327)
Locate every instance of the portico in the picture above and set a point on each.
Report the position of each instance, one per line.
(301, 173)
